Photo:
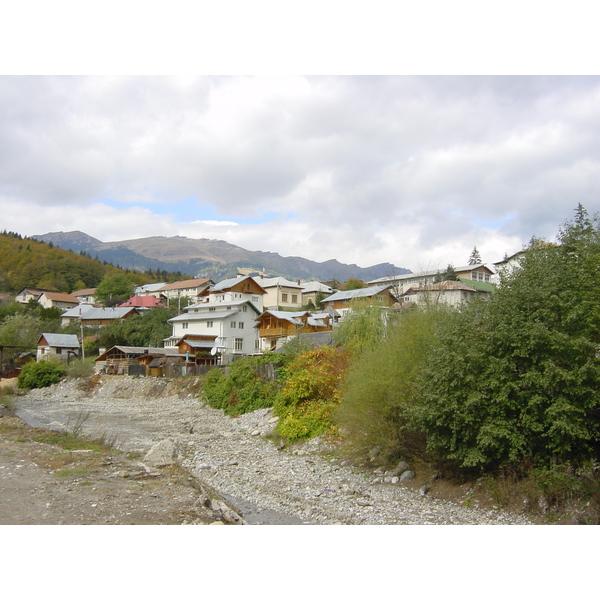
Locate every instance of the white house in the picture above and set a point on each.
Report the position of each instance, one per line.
(227, 315)
(191, 289)
(451, 293)
(58, 346)
(281, 293)
(401, 283)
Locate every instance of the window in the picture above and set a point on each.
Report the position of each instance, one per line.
(209, 323)
(254, 298)
(232, 324)
(284, 297)
(294, 298)
(212, 308)
(241, 325)
(185, 325)
(238, 343)
(244, 308)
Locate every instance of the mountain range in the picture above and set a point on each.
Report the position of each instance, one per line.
(215, 259)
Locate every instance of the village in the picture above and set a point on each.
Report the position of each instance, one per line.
(219, 322)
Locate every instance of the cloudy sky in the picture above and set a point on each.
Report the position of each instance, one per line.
(412, 170)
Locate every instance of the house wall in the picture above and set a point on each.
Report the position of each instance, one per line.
(282, 297)
(237, 340)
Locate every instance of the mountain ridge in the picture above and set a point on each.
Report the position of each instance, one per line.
(215, 259)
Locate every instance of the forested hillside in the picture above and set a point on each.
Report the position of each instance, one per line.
(27, 262)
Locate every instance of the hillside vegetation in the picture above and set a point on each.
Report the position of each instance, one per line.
(25, 262)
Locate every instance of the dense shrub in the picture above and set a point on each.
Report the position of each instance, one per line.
(381, 390)
(240, 388)
(310, 392)
(41, 374)
(519, 378)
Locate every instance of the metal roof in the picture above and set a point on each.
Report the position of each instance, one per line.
(141, 350)
(214, 315)
(78, 310)
(60, 340)
(277, 281)
(108, 313)
(360, 293)
(229, 283)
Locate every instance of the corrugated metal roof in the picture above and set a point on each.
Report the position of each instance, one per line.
(276, 281)
(108, 313)
(78, 310)
(181, 285)
(60, 340)
(203, 316)
(199, 343)
(360, 293)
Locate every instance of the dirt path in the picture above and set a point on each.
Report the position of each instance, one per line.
(43, 483)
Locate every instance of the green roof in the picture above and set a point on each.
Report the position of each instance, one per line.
(480, 286)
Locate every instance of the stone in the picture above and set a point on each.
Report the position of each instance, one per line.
(400, 468)
(161, 454)
(374, 452)
(406, 476)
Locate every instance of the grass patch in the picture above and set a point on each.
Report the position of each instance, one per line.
(73, 472)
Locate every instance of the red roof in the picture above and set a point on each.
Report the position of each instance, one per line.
(142, 301)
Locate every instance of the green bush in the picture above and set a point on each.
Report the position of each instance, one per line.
(240, 388)
(41, 374)
(310, 392)
(81, 368)
(518, 378)
(381, 389)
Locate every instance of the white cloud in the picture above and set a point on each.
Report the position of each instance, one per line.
(407, 170)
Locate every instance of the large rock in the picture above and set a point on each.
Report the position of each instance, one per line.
(162, 454)
(400, 468)
(406, 476)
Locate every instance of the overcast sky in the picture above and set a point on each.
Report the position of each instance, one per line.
(411, 170)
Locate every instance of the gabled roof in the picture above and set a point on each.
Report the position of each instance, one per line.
(198, 343)
(291, 317)
(78, 311)
(315, 286)
(228, 284)
(140, 351)
(203, 316)
(277, 282)
(442, 286)
(367, 292)
(181, 285)
(60, 340)
(480, 286)
(149, 287)
(141, 301)
(295, 318)
(85, 292)
(431, 273)
(58, 297)
(117, 312)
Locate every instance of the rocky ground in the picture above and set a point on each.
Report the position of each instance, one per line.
(183, 462)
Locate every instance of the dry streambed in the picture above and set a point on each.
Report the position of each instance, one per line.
(263, 484)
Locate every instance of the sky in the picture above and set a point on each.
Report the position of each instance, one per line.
(414, 169)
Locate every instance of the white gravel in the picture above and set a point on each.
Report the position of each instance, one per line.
(294, 485)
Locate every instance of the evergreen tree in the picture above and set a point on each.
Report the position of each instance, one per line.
(475, 258)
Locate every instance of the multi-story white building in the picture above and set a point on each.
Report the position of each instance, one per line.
(227, 315)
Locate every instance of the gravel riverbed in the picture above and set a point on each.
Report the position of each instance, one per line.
(303, 484)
